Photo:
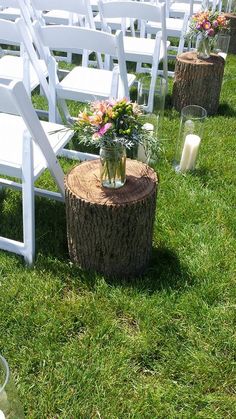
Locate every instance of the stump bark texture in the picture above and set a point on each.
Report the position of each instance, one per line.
(232, 24)
(197, 81)
(110, 230)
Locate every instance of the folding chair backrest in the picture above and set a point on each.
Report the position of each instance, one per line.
(10, 35)
(9, 3)
(72, 38)
(8, 32)
(14, 100)
(190, 4)
(80, 7)
(143, 11)
(131, 9)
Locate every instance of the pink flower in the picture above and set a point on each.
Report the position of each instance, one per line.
(215, 24)
(206, 25)
(210, 32)
(105, 128)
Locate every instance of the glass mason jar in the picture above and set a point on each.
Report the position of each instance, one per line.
(190, 134)
(10, 407)
(203, 46)
(113, 166)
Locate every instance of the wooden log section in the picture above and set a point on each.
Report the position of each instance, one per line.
(232, 24)
(197, 81)
(110, 230)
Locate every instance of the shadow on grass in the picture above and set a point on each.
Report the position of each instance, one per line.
(50, 223)
(225, 110)
(163, 272)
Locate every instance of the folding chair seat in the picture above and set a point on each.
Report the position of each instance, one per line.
(140, 49)
(28, 147)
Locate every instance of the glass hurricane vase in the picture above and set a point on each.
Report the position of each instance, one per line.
(10, 407)
(113, 166)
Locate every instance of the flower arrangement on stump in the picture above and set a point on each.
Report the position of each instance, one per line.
(204, 27)
(113, 126)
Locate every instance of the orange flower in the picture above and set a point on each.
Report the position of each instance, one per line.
(83, 117)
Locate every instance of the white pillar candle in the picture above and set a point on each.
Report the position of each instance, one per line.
(2, 416)
(189, 153)
(148, 127)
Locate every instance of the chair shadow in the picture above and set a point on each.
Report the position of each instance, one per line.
(50, 223)
(50, 229)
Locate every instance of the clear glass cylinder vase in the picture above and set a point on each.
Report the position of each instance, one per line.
(113, 166)
(10, 407)
(203, 46)
(151, 99)
(191, 131)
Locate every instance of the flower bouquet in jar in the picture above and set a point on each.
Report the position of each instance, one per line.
(203, 29)
(113, 126)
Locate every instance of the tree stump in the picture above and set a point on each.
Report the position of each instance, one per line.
(110, 230)
(232, 24)
(197, 81)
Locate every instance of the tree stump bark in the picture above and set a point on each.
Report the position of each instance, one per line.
(232, 24)
(197, 81)
(110, 230)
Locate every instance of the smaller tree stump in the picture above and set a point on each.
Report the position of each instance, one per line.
(232, 24)
(110, 230)
(197, 81)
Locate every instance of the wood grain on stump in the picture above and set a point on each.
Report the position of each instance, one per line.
(232, 24)
(110, 230)
(197, 81)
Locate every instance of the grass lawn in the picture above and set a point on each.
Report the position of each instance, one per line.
(161, 346)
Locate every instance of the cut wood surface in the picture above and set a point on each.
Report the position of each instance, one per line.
(110, 230)
(198, 81)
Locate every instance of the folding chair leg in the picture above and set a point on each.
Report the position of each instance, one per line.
(28, 200)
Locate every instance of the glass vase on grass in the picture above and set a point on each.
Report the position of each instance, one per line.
(153, 112)
(113, 166)
(191, 131)
(10, 407)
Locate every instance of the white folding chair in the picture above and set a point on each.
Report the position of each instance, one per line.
(175, 27)
(61, 12)
(141, 50)
(18, 67)
(28, 147)
(84, 84)
(9, 9)
(178, 8)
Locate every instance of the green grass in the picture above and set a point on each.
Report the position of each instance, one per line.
(159, 346)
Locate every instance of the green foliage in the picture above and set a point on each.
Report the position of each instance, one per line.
(159, 346)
